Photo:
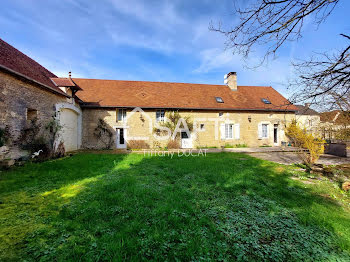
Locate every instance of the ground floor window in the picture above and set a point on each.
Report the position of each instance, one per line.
(264, 130)
(229, 131)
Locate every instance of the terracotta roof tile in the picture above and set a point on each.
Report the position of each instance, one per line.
(59, 81)
(118, 93)
(15, 60)
(336, 116)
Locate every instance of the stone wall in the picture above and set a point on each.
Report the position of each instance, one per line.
(336, 149)
(16, 97)
(141, 124)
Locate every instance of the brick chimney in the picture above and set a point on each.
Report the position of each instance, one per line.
(231, 80)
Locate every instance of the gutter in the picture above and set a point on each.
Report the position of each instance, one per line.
(8, 70)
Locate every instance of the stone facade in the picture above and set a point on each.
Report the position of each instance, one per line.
(20, 100)
(310, 122)
(140, 124)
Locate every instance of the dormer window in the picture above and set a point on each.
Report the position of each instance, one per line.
(265, 101)
(219, 99)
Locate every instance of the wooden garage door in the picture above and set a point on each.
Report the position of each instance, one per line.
(69, 131)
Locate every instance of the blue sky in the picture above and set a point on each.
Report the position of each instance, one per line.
(165, 40)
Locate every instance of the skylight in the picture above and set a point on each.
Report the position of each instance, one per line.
(266, 101)
(219, 99)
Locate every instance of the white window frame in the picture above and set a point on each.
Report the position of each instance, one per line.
(229, 131)
(260, 130)
(121, 115)
(160, 115)
(266, 135)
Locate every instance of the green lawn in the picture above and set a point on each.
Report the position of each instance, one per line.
(223, 206)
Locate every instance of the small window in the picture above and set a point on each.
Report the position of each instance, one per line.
(219, 99)
(265, 101)
(160, 115)
(32, 114)
(228, 131)
(310, 122)
(201, 126)
(221, 114)
(121, 115)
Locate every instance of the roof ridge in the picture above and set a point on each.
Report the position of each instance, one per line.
(164, 82)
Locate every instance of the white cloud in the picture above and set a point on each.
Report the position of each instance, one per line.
(215, 59)
(162, 14)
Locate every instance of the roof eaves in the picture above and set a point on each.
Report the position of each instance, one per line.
(87, 105)
(4, 68)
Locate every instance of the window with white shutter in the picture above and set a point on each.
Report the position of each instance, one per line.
(222, 131)
(264, 131)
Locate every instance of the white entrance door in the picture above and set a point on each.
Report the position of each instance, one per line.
(186, 141)
(121, 142)
(69, 131)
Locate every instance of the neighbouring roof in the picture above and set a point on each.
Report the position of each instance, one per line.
(65, 82)
(14, 61)
(60, 81)
(118, 93)
(305, 110)
(336, 116)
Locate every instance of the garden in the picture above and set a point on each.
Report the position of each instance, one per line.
(222, 206)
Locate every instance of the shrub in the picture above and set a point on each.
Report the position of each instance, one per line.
(172, 121)
(36, 145)
(235, 146)
(304, 140)
(137, 144)
(343, 133)
(32, 140)
(3, 136)
(53, 128)
(173, 144)
(103, 133)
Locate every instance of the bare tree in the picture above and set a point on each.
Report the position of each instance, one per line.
(271, 23)
(325, 79)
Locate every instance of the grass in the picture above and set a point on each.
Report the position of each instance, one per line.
(223, 206)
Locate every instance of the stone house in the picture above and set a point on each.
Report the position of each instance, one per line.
(26, 93)
(308, 118)
(222, 114)
(332, 122)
